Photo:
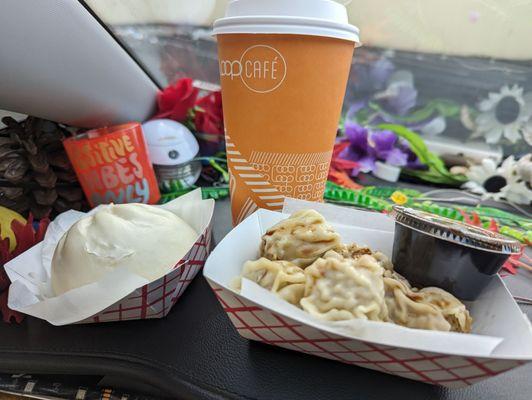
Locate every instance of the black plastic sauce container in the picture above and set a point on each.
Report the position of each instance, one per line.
(435, 251)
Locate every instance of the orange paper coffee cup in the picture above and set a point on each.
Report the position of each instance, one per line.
(282, 97)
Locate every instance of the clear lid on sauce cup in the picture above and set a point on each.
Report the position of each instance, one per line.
(455, 231)
(299, 17)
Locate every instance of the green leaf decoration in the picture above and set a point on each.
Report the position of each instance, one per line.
(377, 199)
(437, 171)
(337, 194)
(208, 192)
(505, 217)
(384, 192)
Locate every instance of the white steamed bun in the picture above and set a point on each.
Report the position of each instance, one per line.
(145, 239)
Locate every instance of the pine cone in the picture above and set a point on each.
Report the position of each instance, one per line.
(35, 173)
(14, 198)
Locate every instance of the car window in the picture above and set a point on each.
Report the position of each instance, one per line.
(455, 71)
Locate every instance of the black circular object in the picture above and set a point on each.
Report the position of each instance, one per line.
(507, 110)
(173, 154)
(436, 251)
(495, 183)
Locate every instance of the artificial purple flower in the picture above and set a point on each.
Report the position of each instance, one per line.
(384, 144)
(357, 136)
(396, 157)
(383, 140)
(366, 148)
(359, 149)
(412, 161)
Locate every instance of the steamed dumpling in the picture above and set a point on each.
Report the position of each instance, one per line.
(428, 308)
(281, 277)
(301, 239)
(304, 263)
(355, 251)
(340, 288)
(352, 250)
(145, 239)
(453, 310)
(390, 273)
(406, 308)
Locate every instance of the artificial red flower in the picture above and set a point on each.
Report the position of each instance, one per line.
(26, 237)
(208, 123)
(514, 261)
(212, 104)
(338, 148)
(493, 226)
(4, 279)
(209, 114)
(341, 178)
(177, 100)
(340, 168)
(339, 163)
(475, 220)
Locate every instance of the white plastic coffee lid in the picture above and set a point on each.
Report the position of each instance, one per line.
(299, 17)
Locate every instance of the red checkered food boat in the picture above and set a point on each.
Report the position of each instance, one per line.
(142, 301)
(495, 314)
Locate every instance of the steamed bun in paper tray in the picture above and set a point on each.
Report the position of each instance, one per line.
(88, 262)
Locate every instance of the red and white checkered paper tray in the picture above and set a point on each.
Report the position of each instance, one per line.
(501, 339)
(120, 295)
